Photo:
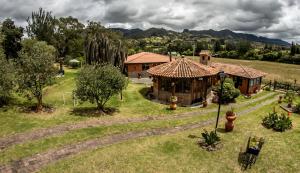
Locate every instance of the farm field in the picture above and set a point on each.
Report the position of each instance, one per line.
(276, 71)
(69, 125)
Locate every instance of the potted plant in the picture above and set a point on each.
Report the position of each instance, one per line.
(204, 103)
(290, 96)
(230, 116)
(173, 101)
(280, 99)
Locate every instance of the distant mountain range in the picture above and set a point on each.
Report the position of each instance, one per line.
(223, 34)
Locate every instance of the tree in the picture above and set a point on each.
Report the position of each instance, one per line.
(104, 46)
(41, 26)
(243, 47)
(36, 69)
(12, 39)
(230, 45)
(293, 49)
(6, 77)
(98, 83)
(217, 46)
(68, 37)
(229, 91)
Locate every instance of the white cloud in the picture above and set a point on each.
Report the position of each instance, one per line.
(272, 18)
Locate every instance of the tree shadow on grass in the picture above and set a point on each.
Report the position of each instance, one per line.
(93, 112)
(146, 93)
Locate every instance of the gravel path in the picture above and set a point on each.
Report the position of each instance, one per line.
(64, 128)
(37, 161)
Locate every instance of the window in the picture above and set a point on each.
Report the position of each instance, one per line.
(203, 58)
(251, 82)
(208, 57)
(145, 67)
(166, 84)
(183, 85)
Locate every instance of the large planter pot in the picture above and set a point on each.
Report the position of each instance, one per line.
(229, 124)
(173, 105)
(205, 104)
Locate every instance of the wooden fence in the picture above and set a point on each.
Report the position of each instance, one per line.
(285, 86)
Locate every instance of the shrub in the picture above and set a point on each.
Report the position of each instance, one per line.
(268, 88)
(98, 83)
(283, 123)
(229, 91)
(277, 122)
(210, 138)
(270, 120)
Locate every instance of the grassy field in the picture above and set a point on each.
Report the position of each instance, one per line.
(166, 153)
(276, 71)
(179, 153)
(14, 120)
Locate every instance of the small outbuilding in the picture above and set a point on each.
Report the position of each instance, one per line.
(137, 65)
(190, 81)
(247, 80)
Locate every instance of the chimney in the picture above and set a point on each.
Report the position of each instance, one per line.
(205, 57)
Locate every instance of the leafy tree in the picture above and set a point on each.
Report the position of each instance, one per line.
(6, 77)
(229, 91)
(68, 37)
(104, 46)
(41, 26)
(12, 39)
(293, 49)
(230, 46)
(217, 46)
(98, 83)
(36, 69)
(243, 47)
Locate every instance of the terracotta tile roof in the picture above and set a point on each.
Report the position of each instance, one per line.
(238, 70)
(182, 68)
(147, 57)
(204, 52)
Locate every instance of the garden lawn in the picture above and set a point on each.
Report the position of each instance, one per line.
(14, 120)
(179, 153)
(37, 146)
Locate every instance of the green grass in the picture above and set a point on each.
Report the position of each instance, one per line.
(14, 120)
(178, 153)
(33, 147)
(167, 153)
(276, 71)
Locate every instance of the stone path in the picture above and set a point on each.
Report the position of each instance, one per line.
(37, 161)
(64, 128)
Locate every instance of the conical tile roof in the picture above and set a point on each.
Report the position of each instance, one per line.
(182, 68)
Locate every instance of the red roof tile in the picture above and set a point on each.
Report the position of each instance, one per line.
(147, 57)
(238, 70)
(182, 68)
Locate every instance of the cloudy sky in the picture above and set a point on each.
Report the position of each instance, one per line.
(271, 18)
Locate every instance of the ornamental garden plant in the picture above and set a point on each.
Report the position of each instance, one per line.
(277, 122)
